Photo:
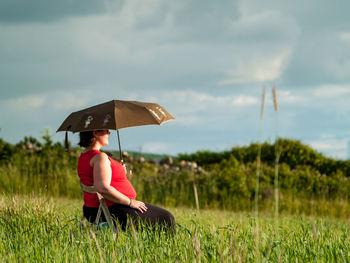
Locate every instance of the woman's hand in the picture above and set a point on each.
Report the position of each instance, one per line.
(138, 205)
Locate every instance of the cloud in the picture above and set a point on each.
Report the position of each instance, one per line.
(189, 120)
(337, 148)
(290, 97)
(202, 101)
(243, 100)
(150, 44)
(156, 147)
(204, 62)
(332, 91)
(26, 103)
(257, 69)
(276, 34)
(311, 16)
(345, 36)
(18, 11)
(54, 100)
(320, 54)
(74, 100)
(190, 100)
(204, 110)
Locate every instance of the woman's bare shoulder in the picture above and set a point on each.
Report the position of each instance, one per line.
(99, 158)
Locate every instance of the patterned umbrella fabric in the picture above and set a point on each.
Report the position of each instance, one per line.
(115, 115)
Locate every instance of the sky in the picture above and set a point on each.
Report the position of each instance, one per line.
(204, 61)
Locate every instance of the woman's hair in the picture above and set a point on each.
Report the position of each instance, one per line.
(86, 138)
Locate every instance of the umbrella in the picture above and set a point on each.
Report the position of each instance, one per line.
(115, 115)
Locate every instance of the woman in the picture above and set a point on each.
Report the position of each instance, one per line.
(109, 179)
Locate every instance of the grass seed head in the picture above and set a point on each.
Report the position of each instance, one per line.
(275, 100)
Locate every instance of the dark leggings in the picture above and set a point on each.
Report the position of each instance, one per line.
(153, 216)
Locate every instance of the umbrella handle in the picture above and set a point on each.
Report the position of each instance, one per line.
(66, 145)
(120, 149)
(126, 171)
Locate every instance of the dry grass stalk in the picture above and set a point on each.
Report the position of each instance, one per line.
(258, 163)
(83, 222)
(196, 244)
(277, 156)
(280, 257)
(97, 245)
(269, 249)
(275, 100)
(231, 243)
(314, 230)
(196, 195)
(133, 231)
(257, 242)
(244, 253)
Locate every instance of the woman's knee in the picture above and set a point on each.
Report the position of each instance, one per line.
(168, 218)
(158, 215)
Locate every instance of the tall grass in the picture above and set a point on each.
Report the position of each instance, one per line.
(277, 153)
(229, 185)
(48, 230)
(257, 179)
(48, 173)
(258, 159)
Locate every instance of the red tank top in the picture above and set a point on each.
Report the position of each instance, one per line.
(119, 180)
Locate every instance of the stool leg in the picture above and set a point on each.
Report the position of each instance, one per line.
(107, 214)
(98, 214)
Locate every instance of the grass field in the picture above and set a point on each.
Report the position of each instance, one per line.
(49, 230)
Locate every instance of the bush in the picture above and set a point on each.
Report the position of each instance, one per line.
(228, 180)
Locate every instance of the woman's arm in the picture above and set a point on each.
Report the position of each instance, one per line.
(102, 183)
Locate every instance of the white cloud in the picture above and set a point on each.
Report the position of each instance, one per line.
(257, 69)
(337, 148)
(264, 42)
(201, 109)
(143, 38)
(345, 36)
(188, 120)
(287, 96)
(69, 101)
(243, 100)
(54, 100)
(187, 101)
(138, 10)
(26, 103)
(176, 53)
(156, 147)
(331, 91)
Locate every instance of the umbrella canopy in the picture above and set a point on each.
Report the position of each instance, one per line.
(115, 115)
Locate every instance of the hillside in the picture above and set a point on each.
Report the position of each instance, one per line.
(292, 153)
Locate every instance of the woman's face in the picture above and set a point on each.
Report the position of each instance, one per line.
(102, 137)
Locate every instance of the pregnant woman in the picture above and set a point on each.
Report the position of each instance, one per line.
(108, 177)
